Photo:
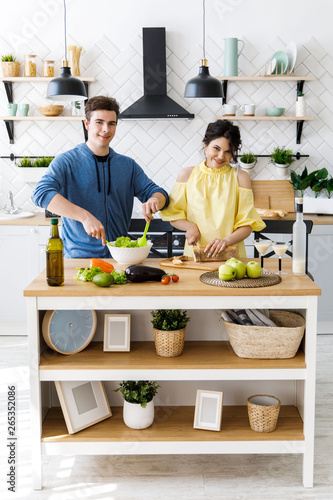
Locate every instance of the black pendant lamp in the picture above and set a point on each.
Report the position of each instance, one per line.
(204, 85)
(66, 87)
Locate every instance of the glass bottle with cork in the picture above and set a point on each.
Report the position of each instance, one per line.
(299, 240)
(54, 257)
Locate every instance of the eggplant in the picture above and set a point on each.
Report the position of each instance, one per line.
(138, 274)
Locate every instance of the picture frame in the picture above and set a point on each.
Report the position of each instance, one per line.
(83, 403)
(208, 410)
(117, 332)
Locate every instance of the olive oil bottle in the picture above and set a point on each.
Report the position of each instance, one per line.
(54, 257)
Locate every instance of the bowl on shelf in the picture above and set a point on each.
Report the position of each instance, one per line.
(51, 109)
(129, 256)
(275, 111)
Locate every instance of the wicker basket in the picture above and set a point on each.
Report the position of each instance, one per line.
(169, 344)
(263, 412)
(10, 68)
(267, 342)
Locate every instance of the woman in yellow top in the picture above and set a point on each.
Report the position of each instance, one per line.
(213, 202)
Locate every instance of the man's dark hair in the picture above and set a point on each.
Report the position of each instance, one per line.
(101, 102)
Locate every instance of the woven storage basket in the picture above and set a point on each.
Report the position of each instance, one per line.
(10, 68)
(267, 342)
(169, 343)
(263, 412)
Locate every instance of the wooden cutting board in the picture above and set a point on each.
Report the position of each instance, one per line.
(190, 264)
(277, 195)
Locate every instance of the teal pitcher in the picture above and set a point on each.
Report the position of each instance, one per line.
(231, 56)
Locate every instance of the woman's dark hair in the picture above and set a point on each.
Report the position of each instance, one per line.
(101, 102)
(224, 128)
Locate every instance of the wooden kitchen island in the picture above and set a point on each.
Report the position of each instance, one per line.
(172, 431)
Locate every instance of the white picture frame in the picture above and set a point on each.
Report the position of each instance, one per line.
(83, 403)
(117, 332)
(208, 410)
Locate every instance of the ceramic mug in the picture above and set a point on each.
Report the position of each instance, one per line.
(248, 109)
(12, 108)
(23, 109)
(230, 109)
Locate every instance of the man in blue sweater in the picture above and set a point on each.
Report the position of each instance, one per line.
(93, 188)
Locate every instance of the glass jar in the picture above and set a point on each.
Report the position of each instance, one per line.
(30, 65)
(48, 68)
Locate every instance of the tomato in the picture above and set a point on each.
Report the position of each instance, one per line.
(165, 279)
(175, 278)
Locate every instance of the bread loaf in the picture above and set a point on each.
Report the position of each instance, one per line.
(268, 212)
(199, 254)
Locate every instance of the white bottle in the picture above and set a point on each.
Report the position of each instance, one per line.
(299, 240)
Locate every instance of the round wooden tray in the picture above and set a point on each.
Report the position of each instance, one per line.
(266, 279)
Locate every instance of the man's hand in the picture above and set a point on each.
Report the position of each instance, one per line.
(94, 227)
(150, 207)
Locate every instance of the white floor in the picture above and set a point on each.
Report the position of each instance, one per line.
(204, 477)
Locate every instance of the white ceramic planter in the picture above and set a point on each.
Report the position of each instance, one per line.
(317, 205)
(31, 174)
(137, 417)
(282, 171)
(300, 108)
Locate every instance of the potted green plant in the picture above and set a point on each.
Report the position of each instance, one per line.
(282, 158)
(31, 170)
(169, 331)
(300, 182)
(138, 411)
(247, 161)
(320, 183)
(10, 67)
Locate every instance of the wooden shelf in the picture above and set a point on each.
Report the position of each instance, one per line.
(266, 118)
(204, 360)
(257, 78)
(40, 78)
(174, 424)
(42, 118)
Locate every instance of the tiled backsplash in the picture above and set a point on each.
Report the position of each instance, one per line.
(163, 147)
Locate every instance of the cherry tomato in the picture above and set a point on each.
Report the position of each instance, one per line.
(165, 279)
(175, 278)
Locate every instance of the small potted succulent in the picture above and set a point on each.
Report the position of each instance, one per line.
(169, 331)
(10, 67)
(247, 161)
(282, 158)
(138, 411)
(31, 170)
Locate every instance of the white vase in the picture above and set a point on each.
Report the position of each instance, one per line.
(282, 171)
(300, 106)
(137, 417)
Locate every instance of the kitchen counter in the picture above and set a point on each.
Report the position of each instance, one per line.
(188, 285)
(203, 361)
(40, 220)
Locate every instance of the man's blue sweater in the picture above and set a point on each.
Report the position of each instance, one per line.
(106, 190)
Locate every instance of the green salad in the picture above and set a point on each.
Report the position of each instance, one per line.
(125, 242)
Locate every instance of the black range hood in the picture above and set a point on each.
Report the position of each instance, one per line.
(154, 103)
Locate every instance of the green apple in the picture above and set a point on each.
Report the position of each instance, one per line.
(239, 266)
(253, 269)
(227, 273)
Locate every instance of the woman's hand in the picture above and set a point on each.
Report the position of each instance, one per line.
(192, 234)
(215, 246)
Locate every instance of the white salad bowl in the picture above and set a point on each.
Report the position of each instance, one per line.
(129, 256)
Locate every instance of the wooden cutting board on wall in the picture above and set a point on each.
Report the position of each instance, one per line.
(277, 195)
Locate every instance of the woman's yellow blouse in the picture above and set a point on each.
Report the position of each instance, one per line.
(213, 200)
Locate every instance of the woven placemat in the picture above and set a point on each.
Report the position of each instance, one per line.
(266, 279)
